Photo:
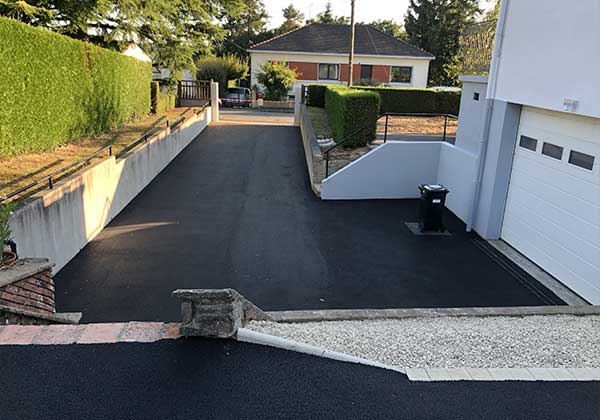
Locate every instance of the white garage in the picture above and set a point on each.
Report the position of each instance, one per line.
(552, 212)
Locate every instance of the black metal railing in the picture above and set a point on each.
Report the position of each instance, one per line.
(387, 116)
(50, 179)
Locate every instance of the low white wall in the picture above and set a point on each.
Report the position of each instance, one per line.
(58, 223)
(396, 169)
(393, 170)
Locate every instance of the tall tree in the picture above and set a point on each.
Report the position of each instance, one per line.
(435, 26)
(246, 29)
(327, 16)
(493, 13)
(172, 31)
(293, 20)
(390, 27)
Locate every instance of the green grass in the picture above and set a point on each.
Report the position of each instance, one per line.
(320, 122)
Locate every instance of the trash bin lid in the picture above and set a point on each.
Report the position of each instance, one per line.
(433, 187)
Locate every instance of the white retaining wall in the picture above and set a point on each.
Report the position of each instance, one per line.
(58, 223)
(396, 169)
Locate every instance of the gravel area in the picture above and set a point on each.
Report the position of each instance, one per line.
(451, 342)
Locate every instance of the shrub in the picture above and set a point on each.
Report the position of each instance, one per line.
(417, 100)
(6, 210)
(55, 89)
(349, 110)
(222, 70)
(277, 79)
(161, 98)
(316, 95)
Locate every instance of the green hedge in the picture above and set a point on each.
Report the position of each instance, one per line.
(55, 89)
(316, 95)
(349, 110)
(417, 100)
(160, 101)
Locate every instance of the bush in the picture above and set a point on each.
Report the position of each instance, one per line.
(349, 110)
(277, 79)
(54, 89)
(161, 99)
(417, 100)
(222, 70)
(316, 95)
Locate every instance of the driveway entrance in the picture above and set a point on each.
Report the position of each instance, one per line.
(235, 209)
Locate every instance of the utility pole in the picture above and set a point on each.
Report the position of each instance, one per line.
(350, 69)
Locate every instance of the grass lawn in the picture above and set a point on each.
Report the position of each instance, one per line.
(18, 171)
(417, 125)
(320, 122)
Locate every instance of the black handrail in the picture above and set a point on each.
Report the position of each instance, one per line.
(143, 138)
(386, 115)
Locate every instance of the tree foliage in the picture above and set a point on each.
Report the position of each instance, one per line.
(221, 69)
(245, 29)
(435, 26)
(173, 31)
(328, 17)
(277, 79)
(293, 20)
(390, 27)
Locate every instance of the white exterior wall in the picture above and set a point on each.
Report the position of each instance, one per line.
(420, 66)
(551, 51)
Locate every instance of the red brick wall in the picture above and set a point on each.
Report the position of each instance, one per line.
(35, 293)
(306, 71)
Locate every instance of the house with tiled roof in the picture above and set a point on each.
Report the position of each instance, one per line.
(319, 53)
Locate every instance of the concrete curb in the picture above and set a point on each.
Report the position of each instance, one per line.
(370, 314)
(248, 336)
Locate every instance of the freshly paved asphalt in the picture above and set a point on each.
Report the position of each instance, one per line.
(235, 210)
(198, 379)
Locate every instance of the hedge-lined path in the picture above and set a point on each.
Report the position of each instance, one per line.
(235, 209)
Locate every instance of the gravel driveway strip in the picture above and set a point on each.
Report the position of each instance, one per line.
(560, 341)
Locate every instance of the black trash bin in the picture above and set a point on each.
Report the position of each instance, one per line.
(431, 209)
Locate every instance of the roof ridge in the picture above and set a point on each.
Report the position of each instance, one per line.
(398, 39)
(266, 41)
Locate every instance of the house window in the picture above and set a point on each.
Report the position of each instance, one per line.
(528, 143)
(401, 74)
(582, 160)
(329, 71)
(552, 151)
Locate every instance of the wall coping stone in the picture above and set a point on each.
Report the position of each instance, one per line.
(23, 268)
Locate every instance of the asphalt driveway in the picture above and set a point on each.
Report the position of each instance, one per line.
(235, 210)
(202, 379)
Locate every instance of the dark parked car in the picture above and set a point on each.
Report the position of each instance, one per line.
(236, 97)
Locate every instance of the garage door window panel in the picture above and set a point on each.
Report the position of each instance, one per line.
(552, 150)
(528, 143)
(581, 160)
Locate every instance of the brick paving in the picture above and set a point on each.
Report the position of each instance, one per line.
(141, 332)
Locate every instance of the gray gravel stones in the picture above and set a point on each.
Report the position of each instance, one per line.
(453, 342)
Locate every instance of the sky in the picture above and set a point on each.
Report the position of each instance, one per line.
(366, 10)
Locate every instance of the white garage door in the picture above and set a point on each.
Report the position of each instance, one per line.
(553, 209)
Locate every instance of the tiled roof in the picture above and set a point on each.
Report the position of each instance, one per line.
(334, 39)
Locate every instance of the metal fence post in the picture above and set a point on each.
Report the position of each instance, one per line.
(445, 126)
(386, 129)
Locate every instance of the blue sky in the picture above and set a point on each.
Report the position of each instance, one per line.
(366, 10)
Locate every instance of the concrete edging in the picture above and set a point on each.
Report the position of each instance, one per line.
(369, 314)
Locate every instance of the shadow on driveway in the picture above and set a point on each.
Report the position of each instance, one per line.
(235, 210)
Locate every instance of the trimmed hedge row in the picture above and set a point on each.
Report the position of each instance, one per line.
(349, 110)
(161, 101)
(417, 100)
(55, 89)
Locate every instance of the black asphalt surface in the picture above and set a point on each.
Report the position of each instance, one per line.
(198, 379)
(235, 210)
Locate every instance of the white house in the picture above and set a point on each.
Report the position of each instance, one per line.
(526, 164)
(319, 53)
